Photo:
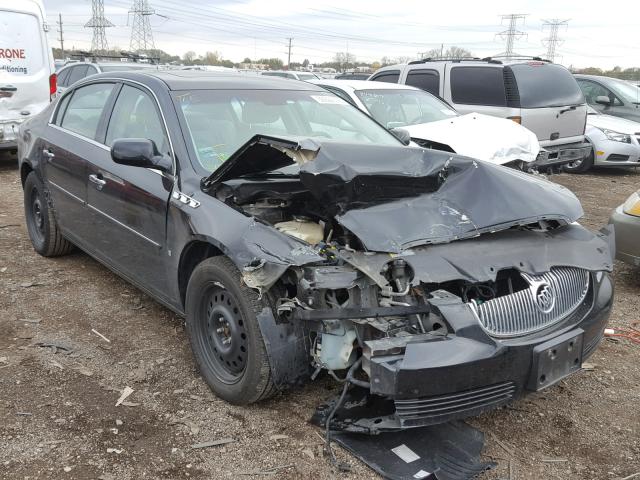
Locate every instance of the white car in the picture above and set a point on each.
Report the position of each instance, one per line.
(27, 71)
(615, 140)
(304, 76)
(432, 123)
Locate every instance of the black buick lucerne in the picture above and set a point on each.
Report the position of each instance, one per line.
(296, 235)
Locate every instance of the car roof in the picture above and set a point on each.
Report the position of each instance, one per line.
(603, 78)
(203, 80)
(112, 64)
(363, 84)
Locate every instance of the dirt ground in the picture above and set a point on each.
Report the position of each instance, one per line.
(58, 417)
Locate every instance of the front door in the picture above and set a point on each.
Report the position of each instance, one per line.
(128, 205)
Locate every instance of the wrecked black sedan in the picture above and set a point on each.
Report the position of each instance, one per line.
(296, 236)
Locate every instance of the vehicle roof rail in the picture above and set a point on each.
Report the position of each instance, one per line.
(452, 59)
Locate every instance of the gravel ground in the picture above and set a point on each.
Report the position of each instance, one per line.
(58, 417)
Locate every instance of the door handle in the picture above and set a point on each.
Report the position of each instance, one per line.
(98, 181)
(48, 153)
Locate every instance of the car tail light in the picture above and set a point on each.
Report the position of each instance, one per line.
(517, 119)
(53, 85)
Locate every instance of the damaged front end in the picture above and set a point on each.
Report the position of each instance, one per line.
(452, 286)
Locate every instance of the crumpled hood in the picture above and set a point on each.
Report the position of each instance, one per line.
(393, 198)
(496, 140)
(617, 124)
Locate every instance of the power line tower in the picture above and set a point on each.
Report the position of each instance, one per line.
(141, 34)
(511, 34)
(553, 40)
(98, 22)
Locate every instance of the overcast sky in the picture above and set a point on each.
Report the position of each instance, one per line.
(602, 34)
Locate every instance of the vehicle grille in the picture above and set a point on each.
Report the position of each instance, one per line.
(469, 402)
(550, 298)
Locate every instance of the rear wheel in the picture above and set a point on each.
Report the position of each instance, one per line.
(41, 224)
(580, 166)
(225, 335)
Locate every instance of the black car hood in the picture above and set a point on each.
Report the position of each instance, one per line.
(393, 198)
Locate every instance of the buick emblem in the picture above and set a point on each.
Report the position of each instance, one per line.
(545, 297)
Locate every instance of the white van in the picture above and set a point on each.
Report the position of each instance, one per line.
(27, 71)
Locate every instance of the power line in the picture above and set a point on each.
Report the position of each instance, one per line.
(553, 40)
(141, 34)
(98, 22)
(61, 37)
(511, 34)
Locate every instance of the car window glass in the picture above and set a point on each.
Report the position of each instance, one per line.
(135, 116)
(390, 76)
(85, 109)
(63, 76)
(91, 70)
(77, 73)
(341, 93)
(478, 86)
(427, 80)
(62, 106)
(219, 122)
(542, 85)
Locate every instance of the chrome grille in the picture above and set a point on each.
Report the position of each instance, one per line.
(550, 298)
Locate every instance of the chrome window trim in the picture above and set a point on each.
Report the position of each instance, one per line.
(69, 91)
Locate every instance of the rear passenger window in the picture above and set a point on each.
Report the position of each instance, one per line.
(135, 116)
(63, 76)
(77, 73)
(427, 80)
(478, 86)
(390, 76)
(85, 109)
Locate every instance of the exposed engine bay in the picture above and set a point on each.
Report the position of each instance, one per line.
(377, 259)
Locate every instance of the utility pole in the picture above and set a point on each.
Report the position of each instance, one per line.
(553, 40)
(442, 50)
(289, 54)
(511, 34)
(61, 38)
(98, 22)
(141, 34)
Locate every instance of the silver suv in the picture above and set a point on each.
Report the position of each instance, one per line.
(542, 96)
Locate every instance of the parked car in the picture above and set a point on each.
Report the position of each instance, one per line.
(352, 76)
(290, 74)
(626, 221)
(541, 96)
(298, 235)
(27, 71)
(611, 96)
(615, 143)
(76, 71)
(432, 123)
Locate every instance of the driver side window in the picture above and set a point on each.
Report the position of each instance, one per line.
(135, 116)
(593, 90)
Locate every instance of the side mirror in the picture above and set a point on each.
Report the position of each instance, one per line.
(401, 134)
(603, 100)
(139, 152)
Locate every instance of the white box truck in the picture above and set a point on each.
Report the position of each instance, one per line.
(27, 71)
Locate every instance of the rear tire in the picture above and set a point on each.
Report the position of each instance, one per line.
(41, 224)
(225, 335)
(582, 166)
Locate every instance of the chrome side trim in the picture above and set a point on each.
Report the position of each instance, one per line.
(186, 199)
(155, 244)
(63, 190)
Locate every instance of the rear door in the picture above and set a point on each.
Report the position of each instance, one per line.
(552, 104)
(26, 63)
(128, 205)
(70, 141)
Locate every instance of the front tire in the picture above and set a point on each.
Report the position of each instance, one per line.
(225, 335)
(582, 166)
(41, 224)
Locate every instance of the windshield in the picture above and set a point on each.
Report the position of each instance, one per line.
(628, 91)
(546, 85)
(307, 76)
(219, 122)
(401, 107)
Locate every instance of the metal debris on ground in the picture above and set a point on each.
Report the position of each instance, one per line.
(100, 335)
(213, 443)
(54, 347)
(125, 393)
(278, 437)
(29, 320)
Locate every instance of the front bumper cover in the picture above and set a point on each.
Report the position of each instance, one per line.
(468, 372)
(556, 156)
(627, 228)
